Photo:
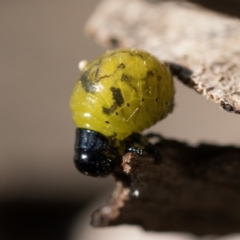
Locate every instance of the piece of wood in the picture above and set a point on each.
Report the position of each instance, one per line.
(193, 189)
(186, 35)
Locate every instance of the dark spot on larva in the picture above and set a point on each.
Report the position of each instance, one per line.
(159, 78)
(156, 99)
(90, 78)
(110, 110)
(121, 66)
(227, 106)
(143, 99)
(107, 122)
(166, 103)
(150, 74)
(125, 78)
(105, 76)
(87, 85)
(128, 104)
(117, 96)
(209, 89)
(116, 113)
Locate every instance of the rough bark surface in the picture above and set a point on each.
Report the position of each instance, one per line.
(186, 35)
(193, 189)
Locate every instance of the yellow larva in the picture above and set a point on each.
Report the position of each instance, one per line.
(119, 94)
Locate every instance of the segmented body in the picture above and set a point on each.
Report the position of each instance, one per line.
(123, 92)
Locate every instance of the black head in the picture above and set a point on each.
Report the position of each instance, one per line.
(93, 154)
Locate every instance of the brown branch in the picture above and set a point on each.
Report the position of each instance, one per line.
(193, 189)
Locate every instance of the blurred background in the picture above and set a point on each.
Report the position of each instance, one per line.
(41, 192)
